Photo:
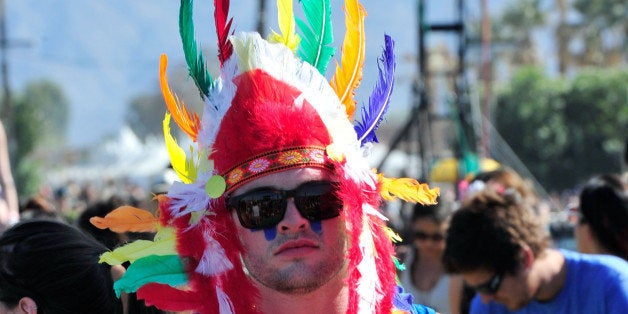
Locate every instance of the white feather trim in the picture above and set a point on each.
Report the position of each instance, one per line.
(368, 286)
(217, 103)
(224, 303)
(214, 260)
(187, 198)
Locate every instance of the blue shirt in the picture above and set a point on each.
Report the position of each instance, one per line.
(594, 284)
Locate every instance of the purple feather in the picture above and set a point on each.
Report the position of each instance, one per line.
(380, 97)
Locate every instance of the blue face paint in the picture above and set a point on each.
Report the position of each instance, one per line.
(317, 226)
(270, 233)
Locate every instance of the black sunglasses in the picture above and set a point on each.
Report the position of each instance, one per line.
(265, 207)
(491, 286)
(436, 237)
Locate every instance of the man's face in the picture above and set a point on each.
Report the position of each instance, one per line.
(297, 256)
(513, 291)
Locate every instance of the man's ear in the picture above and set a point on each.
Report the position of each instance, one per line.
(27, 305)
(527, 256)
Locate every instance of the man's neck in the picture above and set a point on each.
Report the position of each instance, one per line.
(331, 298)
(552, 274)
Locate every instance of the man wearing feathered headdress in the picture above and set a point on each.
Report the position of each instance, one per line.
(278, 208)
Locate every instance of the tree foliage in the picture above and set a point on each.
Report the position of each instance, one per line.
(602, 30)
(515, 27)
(40, 117)
(565, 131)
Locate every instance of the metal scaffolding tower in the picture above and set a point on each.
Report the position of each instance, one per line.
(416, 137)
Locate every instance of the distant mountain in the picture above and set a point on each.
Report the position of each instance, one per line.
(104, 52)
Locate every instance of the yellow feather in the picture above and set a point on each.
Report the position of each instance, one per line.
(349, 74)
(392, 235)
(407, 189)
(177, 154)
(285, 16)
(190, 124)
(164, 244)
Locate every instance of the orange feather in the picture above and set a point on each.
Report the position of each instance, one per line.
(127, 219)
(349, 74)
(190, 124)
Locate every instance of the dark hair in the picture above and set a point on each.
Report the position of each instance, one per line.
(438, 213)
(604, 207)
(100, 209)
(57, 266)
(489, 231)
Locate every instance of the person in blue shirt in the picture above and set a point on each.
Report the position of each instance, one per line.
(501, 250)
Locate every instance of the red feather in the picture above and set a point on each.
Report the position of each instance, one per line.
(223, 29)
(168, 298)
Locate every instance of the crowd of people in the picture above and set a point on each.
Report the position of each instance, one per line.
(281, 213)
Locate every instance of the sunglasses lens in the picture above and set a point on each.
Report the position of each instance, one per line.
(318, 201)
(422, 236)
(491, 286)
(260, 209)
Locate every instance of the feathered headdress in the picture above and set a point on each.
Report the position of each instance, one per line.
(271, 109)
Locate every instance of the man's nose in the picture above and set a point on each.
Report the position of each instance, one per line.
(292, 220)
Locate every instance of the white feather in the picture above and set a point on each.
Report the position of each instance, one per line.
(224, 303)
(187, 198)
(368, 286)
(214, 260)
(218, 103)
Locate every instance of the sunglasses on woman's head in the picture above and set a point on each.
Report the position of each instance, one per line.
(491, 286)
(265, 207)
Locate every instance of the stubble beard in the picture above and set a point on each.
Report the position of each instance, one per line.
(299, 277)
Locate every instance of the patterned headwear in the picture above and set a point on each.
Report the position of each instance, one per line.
(270, 110)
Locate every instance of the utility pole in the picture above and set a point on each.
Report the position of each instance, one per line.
(4, 67)
(486, 76)
(261, 22)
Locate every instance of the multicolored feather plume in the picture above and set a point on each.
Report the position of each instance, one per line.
(315, 46)
(188, 123)
(349, 73)
(380, 97)
(223, 30)
(285, 16)
(193, 57)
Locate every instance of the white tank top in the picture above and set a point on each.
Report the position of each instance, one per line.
(437, 298)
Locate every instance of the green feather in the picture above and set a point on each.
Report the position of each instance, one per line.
(194, 58)
(318, 35)
(153, 268)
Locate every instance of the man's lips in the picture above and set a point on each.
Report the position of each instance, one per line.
(294, 245)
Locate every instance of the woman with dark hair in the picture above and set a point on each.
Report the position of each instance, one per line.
(425, 276)
(603, 224)
(50, 267)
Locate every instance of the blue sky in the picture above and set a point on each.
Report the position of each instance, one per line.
(104, 52)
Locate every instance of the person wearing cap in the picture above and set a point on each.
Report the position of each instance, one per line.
(278, 210)
(501, 250)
